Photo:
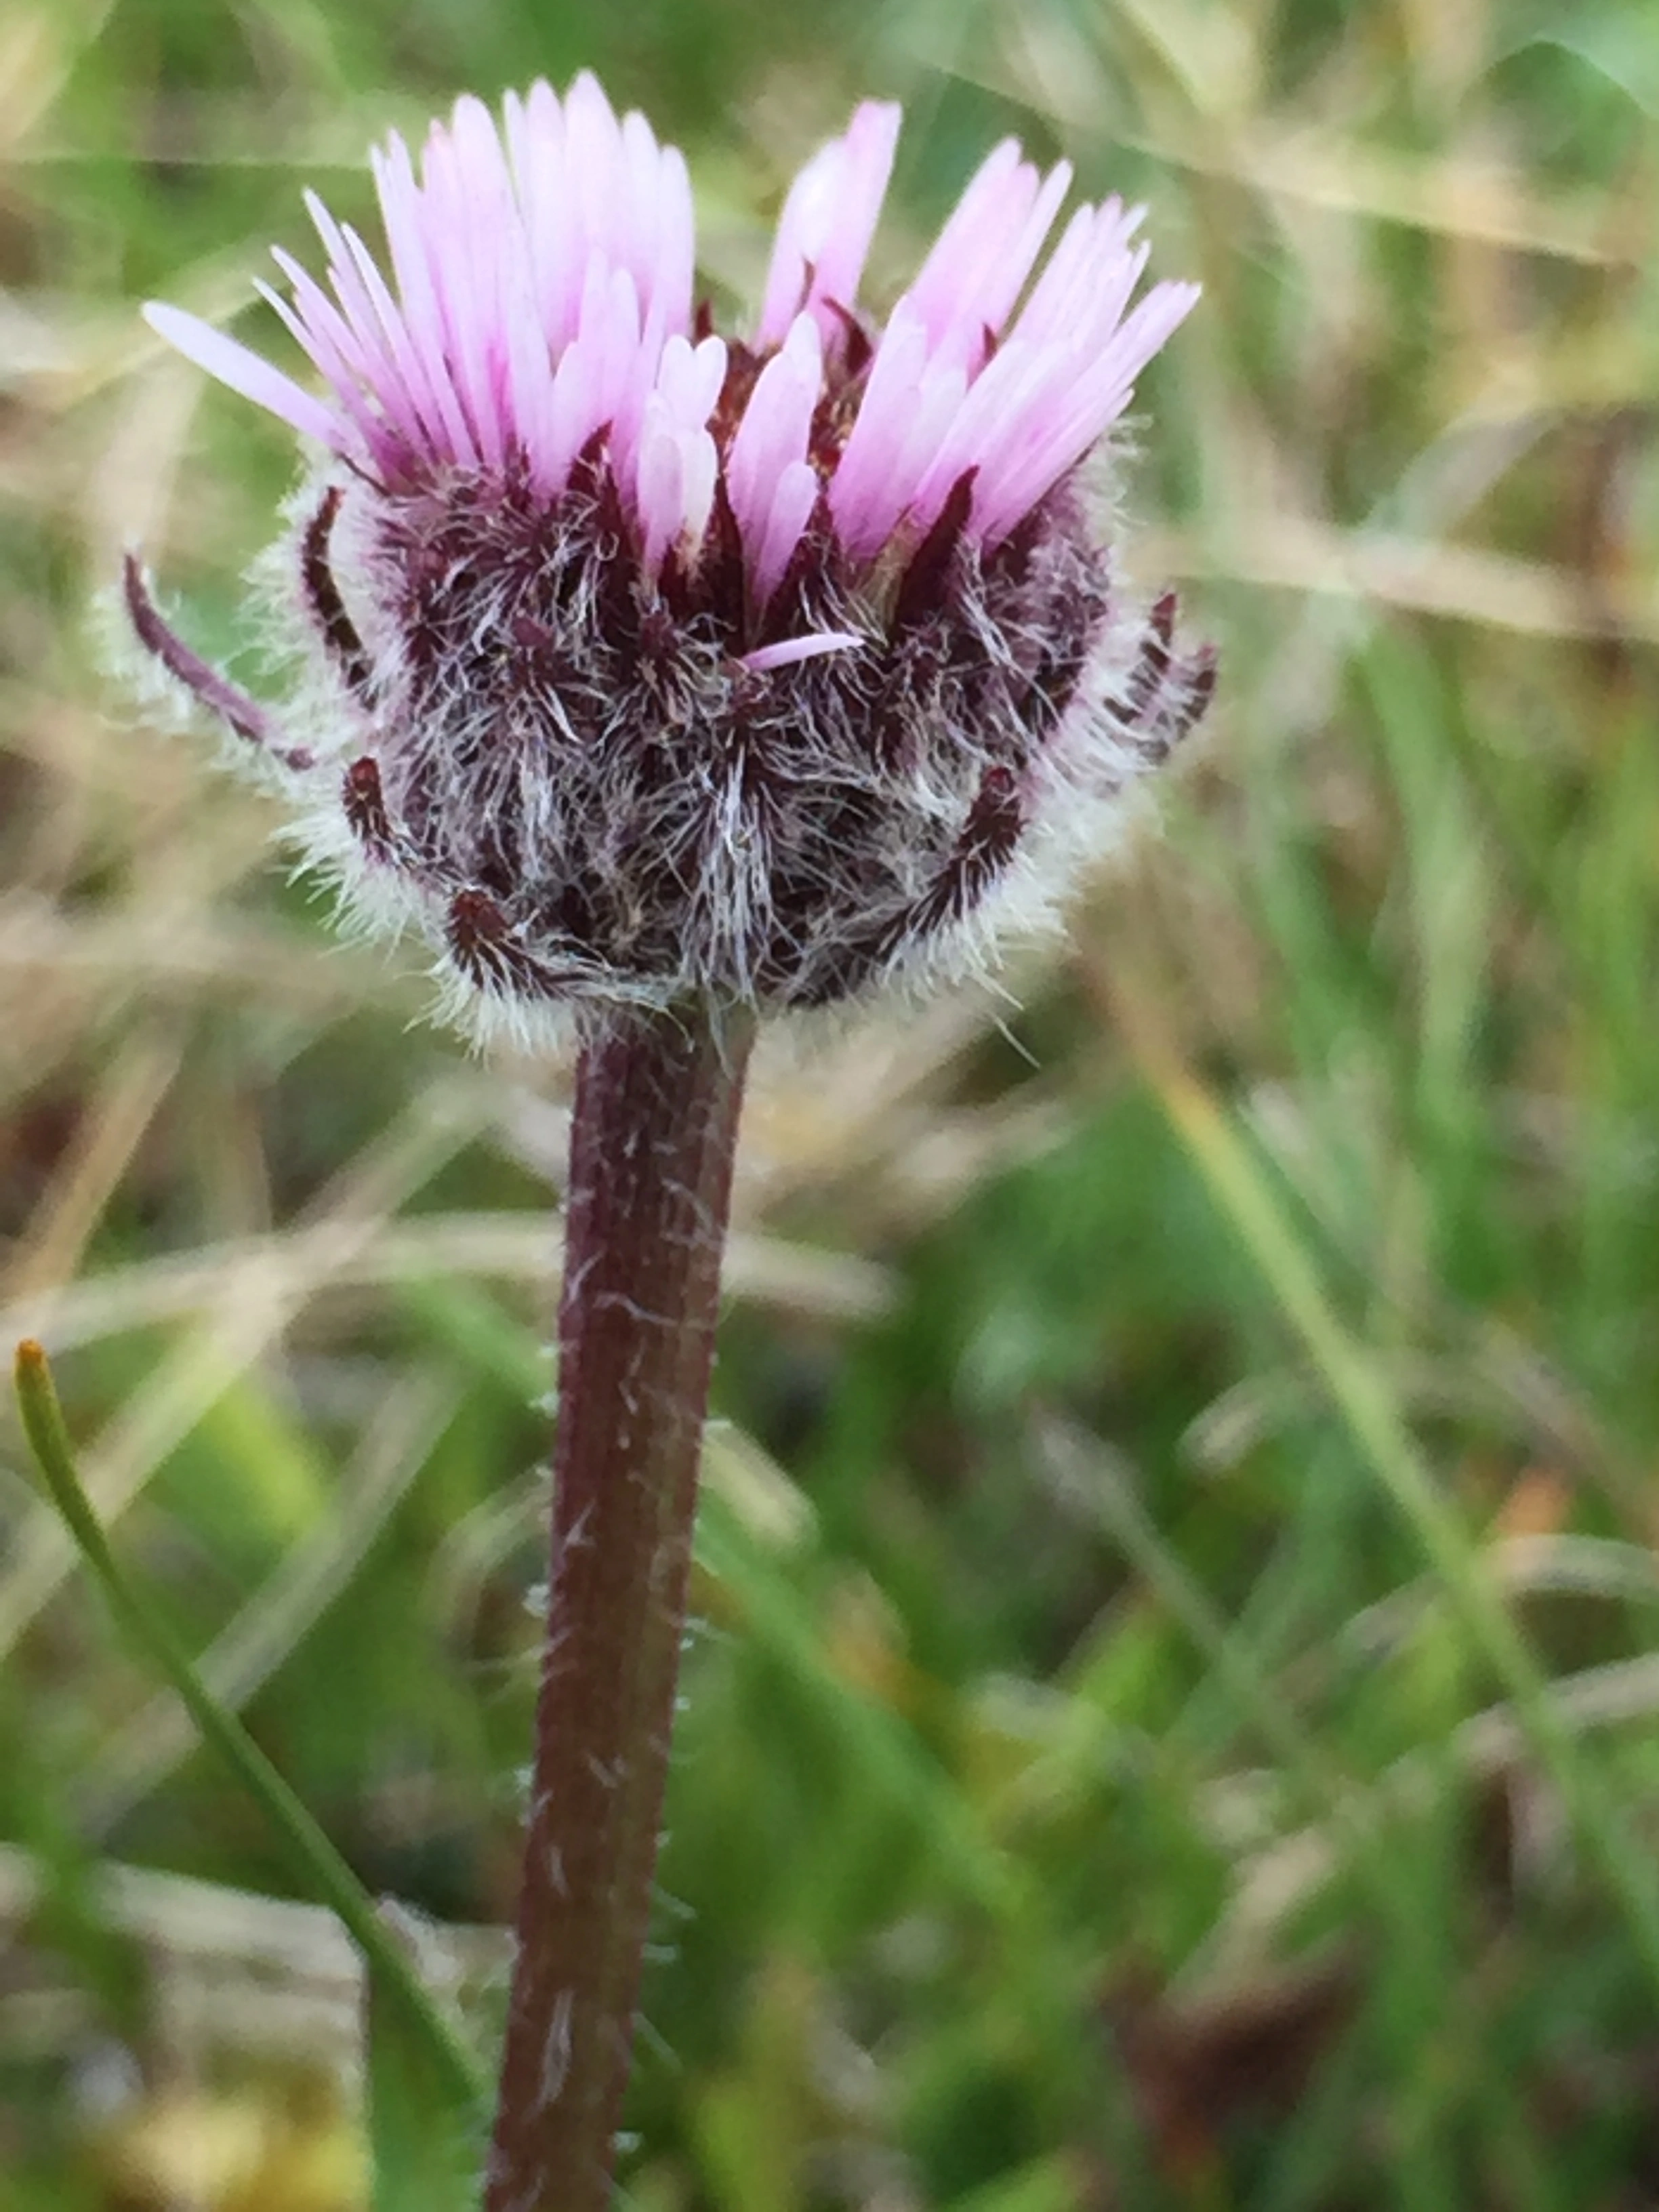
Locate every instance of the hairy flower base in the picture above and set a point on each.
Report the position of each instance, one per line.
(652, 667)
(585, 788)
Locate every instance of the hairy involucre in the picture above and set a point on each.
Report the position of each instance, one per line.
(769, 711)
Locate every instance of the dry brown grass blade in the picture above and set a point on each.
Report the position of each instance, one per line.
(1206, 120)
(1276, 1883)
(234, 1968)
(299, 1265)
(238, 1332)
(248, 1650)
(1463, 583)
(116, 1117)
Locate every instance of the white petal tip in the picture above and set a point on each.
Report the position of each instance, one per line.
(789, 650)
(245, 372)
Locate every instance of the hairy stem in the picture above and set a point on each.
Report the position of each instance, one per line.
(657, 1098)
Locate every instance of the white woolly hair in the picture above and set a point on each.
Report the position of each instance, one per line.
(577, 793)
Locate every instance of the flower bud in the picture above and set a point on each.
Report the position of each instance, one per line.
(654, 667)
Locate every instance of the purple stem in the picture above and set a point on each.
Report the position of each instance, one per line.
(657, 1098)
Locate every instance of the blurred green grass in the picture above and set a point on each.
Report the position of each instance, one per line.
(1091, 1792)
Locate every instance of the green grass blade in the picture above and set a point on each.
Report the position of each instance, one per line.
(425, 2142)
(456, 2085)
(1243, 1196)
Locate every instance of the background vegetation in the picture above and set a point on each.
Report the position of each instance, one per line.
(1108, 1778)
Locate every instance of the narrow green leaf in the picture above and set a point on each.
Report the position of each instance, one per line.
(426, 2148)
(1356, 1390)
(454, 2090)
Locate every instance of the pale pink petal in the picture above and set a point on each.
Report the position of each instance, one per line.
(860, 488)
(1033, 235)
(1052, 422)
(656, 244)
(624, 374)
(369, 334)
(789, 650)
(638, 143)
(335, 346)
(1022, 418)
(1095, 404)
(232, 364)
(452, 280)
(943, 395)
(838, 263)
(464, 194)
(787, 277)
(793, 497)
(966, 261)
(660, 491)
(594, 164)
(331, 347)
(401, 215)
(426, 403)
(908, 411)
(991, 266)
(541, 273)
(1144, 332)
(673, 269)
(576, 410)
(528, 400)
(536, 138)
(1079, 299)
(701, 466)
(827, 224)
(689, 378)
(381, 366)
(773, 430)
(675, 485)
(1002, 398)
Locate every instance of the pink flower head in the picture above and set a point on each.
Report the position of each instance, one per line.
(662, 664)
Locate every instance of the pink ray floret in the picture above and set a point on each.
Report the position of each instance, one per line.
(646, 667)
(538, 299)
(826, 227)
